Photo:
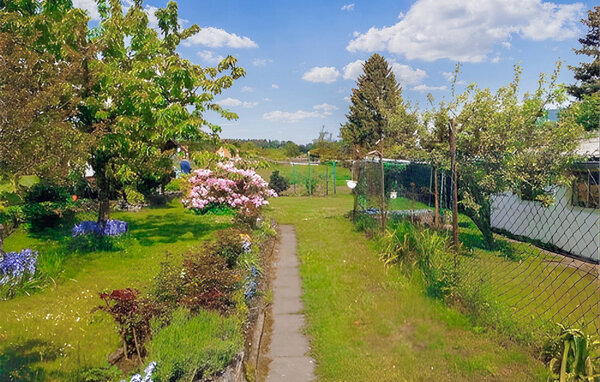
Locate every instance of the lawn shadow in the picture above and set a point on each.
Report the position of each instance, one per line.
(16, 360)
(171, 228)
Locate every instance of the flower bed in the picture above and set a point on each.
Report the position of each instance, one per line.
(16, 266)
(110, 228)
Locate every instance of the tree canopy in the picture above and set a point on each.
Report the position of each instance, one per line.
(587, 74)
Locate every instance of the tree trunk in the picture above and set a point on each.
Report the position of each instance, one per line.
(103, 193)
(454, 184)
(482, 220)
(436, 198)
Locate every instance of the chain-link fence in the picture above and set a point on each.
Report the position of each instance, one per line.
(543, 267)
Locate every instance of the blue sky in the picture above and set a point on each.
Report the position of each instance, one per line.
(302, 57)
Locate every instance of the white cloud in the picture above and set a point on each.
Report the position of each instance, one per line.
(506, 44)
(247, 89)
(232, 102)
(217, 38)
(275, 86)
(325, 74)
(348, 7)
(286, 116)
(325, 108)
(209, 57)
(404, 74)
(449, 76)
(90, 6)
(427, 88)
(468, 30)
(347, 99)
(267, 99)
(496, 59)
(353, 70)
(321, 111)
(261, 61)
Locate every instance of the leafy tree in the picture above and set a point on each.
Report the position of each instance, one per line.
(142, 95)
(291, 149)
(376, 92)
(42, 48)
(587, 111)
(505, 145)
(588, 73)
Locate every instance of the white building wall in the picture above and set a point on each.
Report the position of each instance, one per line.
(573, 229)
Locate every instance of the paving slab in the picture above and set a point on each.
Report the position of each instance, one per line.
(289, 348)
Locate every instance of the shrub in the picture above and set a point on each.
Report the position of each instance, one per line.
(277, 182)
(242, 190)
(311, 185)
(194, 347)
(46, 204)
(100, 374)
(132, 314)
(178, 184)
(208, 282)
(230, 244)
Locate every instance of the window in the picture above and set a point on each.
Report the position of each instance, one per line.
(586, 188)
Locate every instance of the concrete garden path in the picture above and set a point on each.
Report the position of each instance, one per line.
(289, 347)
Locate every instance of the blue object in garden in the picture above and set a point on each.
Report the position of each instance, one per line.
(15, 265)
(185, 166)
(111, 228)
(148, 374)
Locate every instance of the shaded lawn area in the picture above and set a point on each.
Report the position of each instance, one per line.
(51, 334)
(371, 323)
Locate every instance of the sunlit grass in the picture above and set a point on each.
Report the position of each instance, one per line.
(51, 334)
(371, 323)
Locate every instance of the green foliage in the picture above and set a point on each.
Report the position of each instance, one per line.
(311, 184)
(133, 196)
(587, 111)
(101, 374)
(577, 359)
(291, 149)
(377, 93)
(230, 244)
(430, 250)
(177, 184)
(46, 204)
(194, 347)
(278, 182)
(588, 73)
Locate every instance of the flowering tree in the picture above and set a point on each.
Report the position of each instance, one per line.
(242, 190)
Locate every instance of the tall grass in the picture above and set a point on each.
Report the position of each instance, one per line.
(191, 348)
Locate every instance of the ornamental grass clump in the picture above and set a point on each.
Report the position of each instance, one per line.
(17, 266)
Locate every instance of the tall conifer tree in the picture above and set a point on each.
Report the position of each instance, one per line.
(587, 74)
(376, 94)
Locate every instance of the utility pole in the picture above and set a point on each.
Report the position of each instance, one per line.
(454, 183)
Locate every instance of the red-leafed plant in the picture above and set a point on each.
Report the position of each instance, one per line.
(132, 314)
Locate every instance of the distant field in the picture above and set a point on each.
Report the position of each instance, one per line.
(298, 174)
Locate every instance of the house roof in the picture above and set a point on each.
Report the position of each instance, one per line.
(589, 147)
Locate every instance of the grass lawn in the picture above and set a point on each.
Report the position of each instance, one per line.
(51, 334)
(371, 323)
(318, 173)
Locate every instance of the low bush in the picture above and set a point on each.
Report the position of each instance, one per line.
(208, 282)
(230, 244)
(45, 204)
(277, 182)
(194, 347)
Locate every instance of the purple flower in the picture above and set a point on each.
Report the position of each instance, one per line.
(110, 228)
(15, 265)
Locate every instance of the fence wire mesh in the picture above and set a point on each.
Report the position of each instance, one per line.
(544, 266)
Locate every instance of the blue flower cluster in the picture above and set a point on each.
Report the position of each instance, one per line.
(111, 228)
(148, 374)
(251, 285)
(15, 265)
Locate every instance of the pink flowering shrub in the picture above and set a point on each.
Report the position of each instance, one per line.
(242, 190)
